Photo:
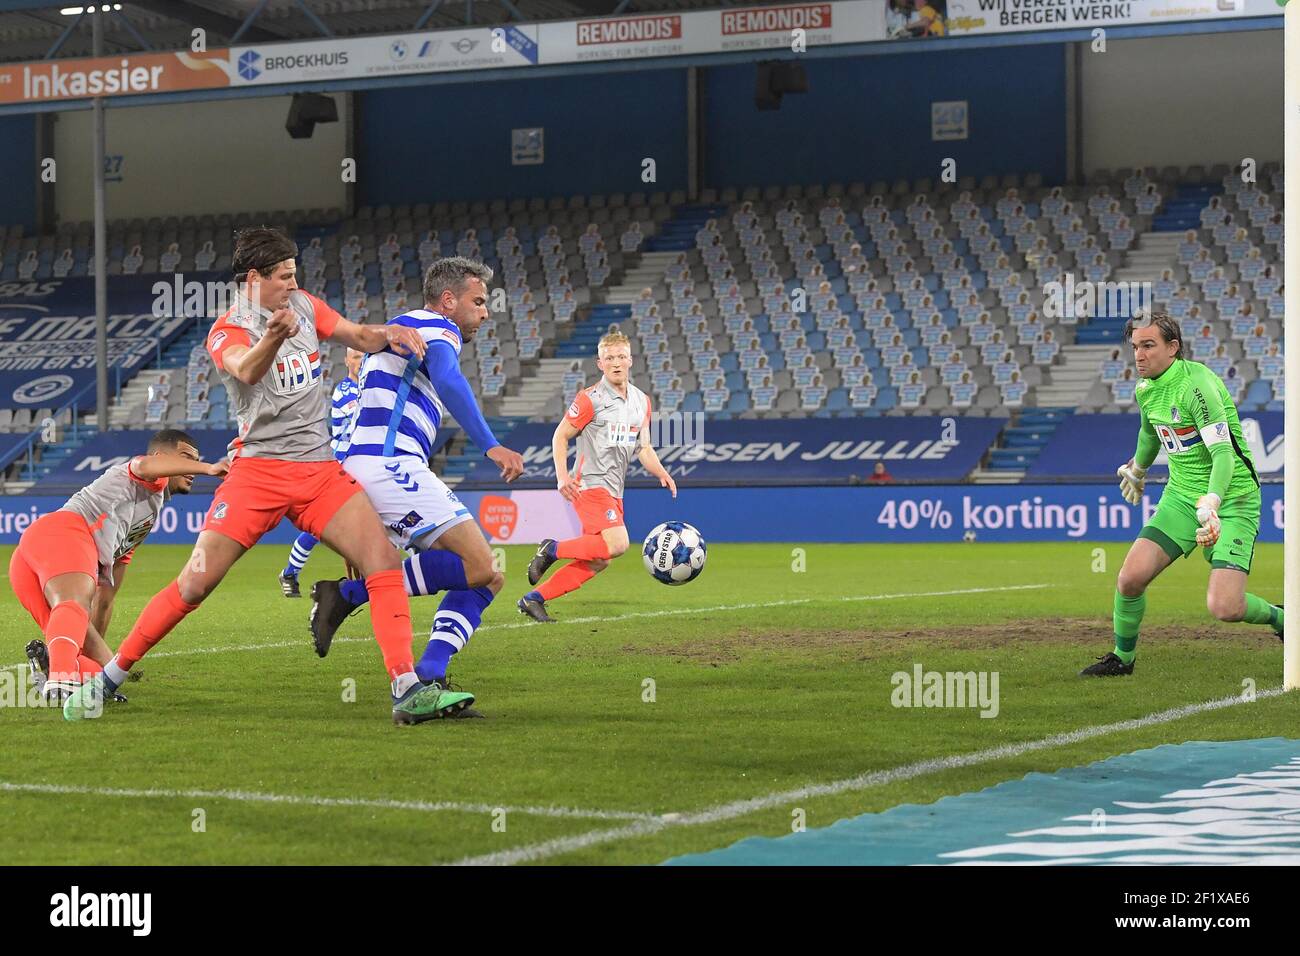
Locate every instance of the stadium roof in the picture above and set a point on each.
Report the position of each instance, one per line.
(30, 29)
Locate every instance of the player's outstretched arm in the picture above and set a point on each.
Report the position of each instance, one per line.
(442, 365)
(403, 339)
(153, 467)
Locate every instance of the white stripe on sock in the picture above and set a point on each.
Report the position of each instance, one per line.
(456, 638)
(418, 575)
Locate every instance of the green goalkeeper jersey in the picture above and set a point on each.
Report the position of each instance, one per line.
(1187, 411)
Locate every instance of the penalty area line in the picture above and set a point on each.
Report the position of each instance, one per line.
(792, 602)
(243, 796)
(304, 643)
(536, 852)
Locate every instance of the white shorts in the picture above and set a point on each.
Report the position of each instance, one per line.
(411, 500)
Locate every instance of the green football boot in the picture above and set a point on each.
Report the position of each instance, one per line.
(87, 701)
(430, 702)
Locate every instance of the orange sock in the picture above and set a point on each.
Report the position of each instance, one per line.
(390, 616)
(587, 547)
(155, 622)
(65, 635)
(569, 578)
(89, 667)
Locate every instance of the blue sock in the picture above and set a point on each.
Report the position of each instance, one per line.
(299, 554)
(354, 592)
(425, 573)
(458, 615)
(534, 596)
(432, 571)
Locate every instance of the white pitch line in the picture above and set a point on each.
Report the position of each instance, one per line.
(314, 801)
(729, 811)
(305, 642)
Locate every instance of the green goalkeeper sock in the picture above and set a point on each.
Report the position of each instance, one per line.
(1259, 611)
(1128, 618)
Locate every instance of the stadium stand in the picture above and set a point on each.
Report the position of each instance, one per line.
(822, 300)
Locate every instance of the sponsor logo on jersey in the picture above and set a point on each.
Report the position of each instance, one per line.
(405, 524)
(294, 372)
(573, 409)
(139, 531)
(214, 343)
(1173, 413)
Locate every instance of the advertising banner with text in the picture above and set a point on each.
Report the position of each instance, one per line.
(791, 28)
(888, 514)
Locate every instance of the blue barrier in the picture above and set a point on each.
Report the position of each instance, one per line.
(1093, 446)
(890, 513)
(702, 450)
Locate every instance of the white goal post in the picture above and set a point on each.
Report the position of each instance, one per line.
(1291, 334)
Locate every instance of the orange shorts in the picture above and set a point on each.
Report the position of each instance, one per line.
(258, 492)
(597, 510)
(57, 543)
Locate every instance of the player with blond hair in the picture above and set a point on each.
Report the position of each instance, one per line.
(611, 422)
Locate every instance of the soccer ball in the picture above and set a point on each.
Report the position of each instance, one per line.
(674, 553)
(968, 537)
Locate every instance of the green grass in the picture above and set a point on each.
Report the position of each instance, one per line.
(749, 701)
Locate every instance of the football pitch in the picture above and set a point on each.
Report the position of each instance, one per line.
(649, 723)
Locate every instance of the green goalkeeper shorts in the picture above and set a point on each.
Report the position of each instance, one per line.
(1174, 525)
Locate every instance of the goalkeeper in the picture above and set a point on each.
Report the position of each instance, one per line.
(1212, 500)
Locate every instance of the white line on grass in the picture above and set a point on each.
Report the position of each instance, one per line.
(598, 619)
(729, 811)
(307, 800)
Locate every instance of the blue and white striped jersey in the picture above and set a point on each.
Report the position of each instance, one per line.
(343, 408)
(400, 408)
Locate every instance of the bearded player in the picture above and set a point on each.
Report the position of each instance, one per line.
(343, 403)
(611, 422)
(400, 411)
(266, 349)
(1212, 500)
(69, 564)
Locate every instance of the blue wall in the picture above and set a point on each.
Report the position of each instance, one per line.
(18, 171)
(422, 144)
(864, 118)
(868, 118)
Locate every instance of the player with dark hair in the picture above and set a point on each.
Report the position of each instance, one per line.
(343, 406)
(1212, 500)
(267, 351)
(69, 564)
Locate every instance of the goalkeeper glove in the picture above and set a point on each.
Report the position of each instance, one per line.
(1132, 481)
(1207, 514)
